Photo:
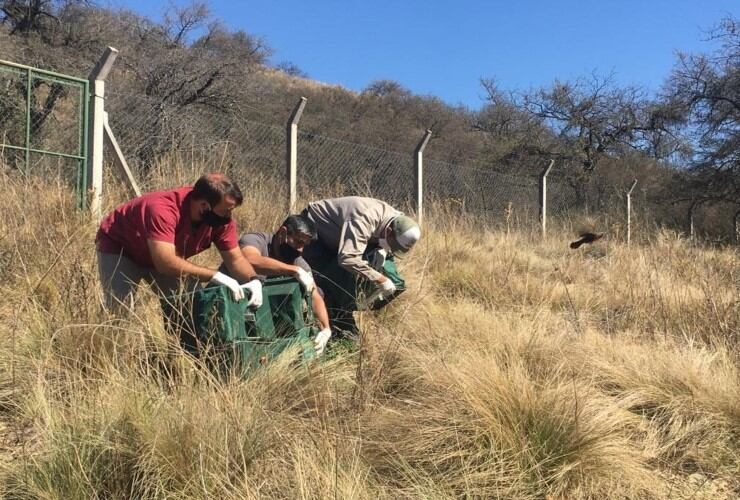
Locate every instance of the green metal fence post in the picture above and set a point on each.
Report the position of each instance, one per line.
(28, 123)
(27, 148)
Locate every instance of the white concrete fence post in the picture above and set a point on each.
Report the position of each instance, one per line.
(543, 198)
(291, 156)
(419, 175)
(629, 211)
(691, 214)
(96, 129)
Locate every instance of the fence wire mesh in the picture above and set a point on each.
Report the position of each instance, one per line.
(495, 195)
(56, 116)
(43, 123)
(13, 104)
(42, 119)
(569, 195)
(153, 133)
(330, 167)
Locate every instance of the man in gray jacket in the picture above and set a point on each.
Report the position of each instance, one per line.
(349, 230)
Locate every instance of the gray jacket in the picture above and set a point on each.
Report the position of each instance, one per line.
(347, 225)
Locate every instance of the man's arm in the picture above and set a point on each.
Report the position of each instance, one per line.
(166, 261)
(238, 266)
(267, 265)
(352, 245)
(319, 308)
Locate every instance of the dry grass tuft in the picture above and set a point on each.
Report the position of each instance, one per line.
(512, 368)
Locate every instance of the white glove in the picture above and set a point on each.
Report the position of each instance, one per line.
(319, 343)
(305, 279)
(231, 283)
(387, 288)
(255, 287)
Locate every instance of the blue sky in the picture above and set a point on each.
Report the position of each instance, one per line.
(443, 48)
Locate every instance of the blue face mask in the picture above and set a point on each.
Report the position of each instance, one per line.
(211, 218)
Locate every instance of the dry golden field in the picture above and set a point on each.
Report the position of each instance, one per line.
(512, 368)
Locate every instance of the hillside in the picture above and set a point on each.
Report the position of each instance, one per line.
(192, 84)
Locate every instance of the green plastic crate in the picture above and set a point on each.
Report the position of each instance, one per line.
(285, 319)
(238, 338)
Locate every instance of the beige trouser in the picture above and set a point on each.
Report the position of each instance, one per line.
(120, 276)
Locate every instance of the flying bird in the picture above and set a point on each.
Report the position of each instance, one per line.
(586, 238)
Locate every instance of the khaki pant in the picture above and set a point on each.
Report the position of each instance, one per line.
(120, 276)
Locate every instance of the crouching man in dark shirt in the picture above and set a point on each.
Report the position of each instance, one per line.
(280, 254)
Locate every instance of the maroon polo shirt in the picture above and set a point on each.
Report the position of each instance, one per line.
(161, 216)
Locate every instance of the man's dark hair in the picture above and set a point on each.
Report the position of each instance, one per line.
(300, 224)
(213, 187)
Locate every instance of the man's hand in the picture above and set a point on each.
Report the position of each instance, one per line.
(319, 342)
(386, 286)
(305, 279)
(231, 283)
(255, 287)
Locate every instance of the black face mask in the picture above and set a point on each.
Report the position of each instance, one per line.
(287, 253)
(211, 218)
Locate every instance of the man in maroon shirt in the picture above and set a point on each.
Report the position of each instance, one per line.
(150, 237)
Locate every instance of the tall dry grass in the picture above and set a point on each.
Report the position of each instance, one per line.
(512, 368)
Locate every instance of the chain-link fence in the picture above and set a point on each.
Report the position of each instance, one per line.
(43, 123)
(330, 167)
(153, 132)
(493, 194)
(568, 195)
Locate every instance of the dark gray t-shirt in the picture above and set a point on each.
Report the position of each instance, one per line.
(263, 243)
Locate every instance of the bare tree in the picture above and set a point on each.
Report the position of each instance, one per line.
(513, 135)
(34, 16)
(592, 116)
(387, 88)
(705, 90)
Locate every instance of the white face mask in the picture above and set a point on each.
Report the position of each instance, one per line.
(384, 245)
